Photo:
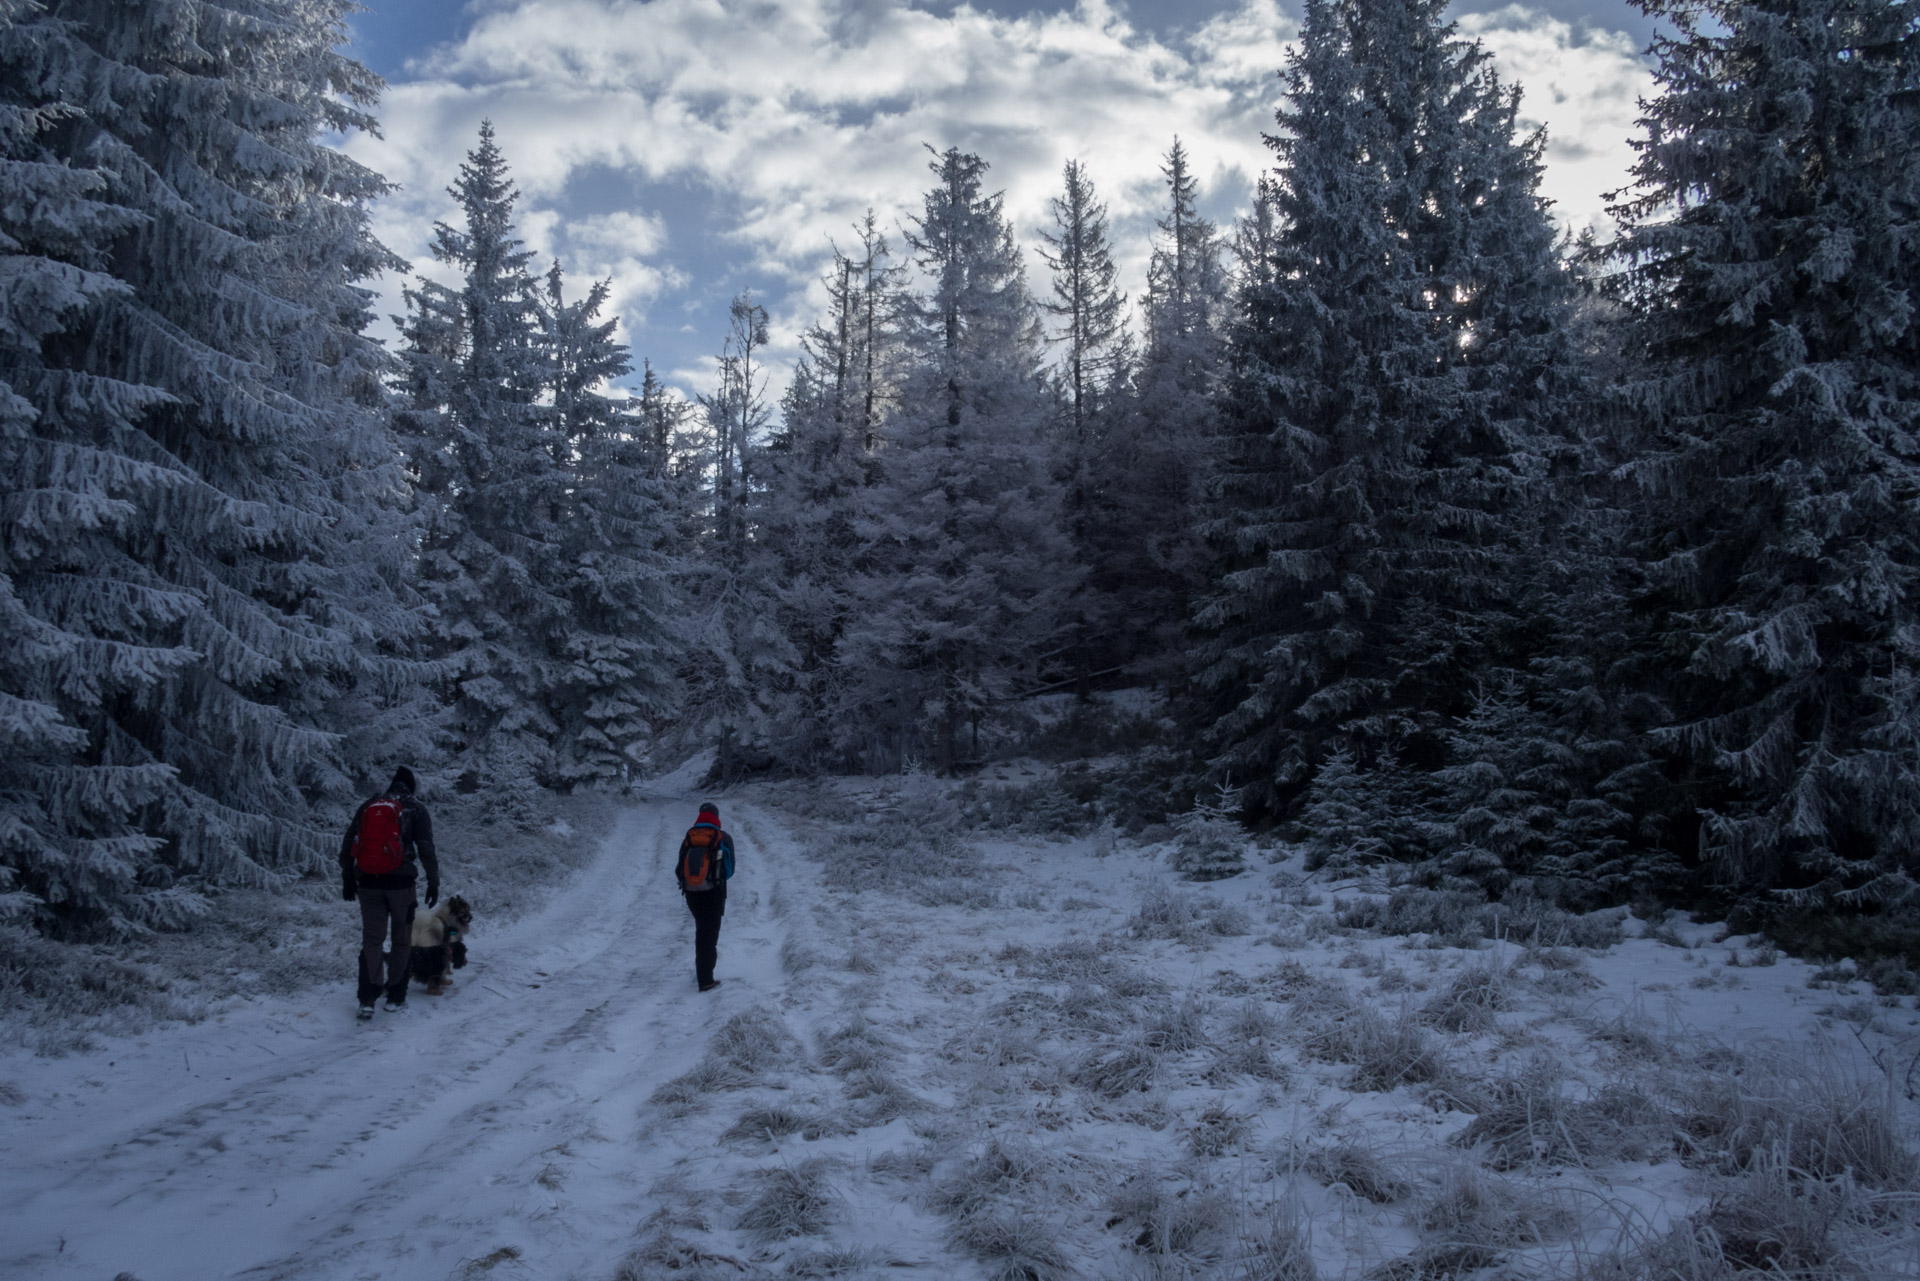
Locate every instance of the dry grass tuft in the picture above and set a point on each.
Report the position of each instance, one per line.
(1217, 1131)
(794, 1201)
(1470, 1000)
(1178, 1028)
(1116, 1071)
(1357, 1168)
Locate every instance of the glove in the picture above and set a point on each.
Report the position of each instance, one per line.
(433, 893)
(347, 891)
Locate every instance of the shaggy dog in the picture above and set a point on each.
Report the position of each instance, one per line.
(440, 937)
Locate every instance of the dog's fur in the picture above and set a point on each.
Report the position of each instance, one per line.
(432, 934)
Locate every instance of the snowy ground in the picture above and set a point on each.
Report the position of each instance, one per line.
(1016, 1058)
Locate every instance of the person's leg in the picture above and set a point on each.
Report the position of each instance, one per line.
(706, 932)
(373, 931)
(400, 907)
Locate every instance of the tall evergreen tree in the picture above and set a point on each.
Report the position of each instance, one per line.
(740, 659)
(1771, 254)
(964, 555)
(492, 472)
(815, 469)
(1382, 398)
(1092, 337)
(200, 545)
(612, 685)
(1162, 449)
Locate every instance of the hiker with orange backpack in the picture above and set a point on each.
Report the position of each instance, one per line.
(389, 834)
(702, 867)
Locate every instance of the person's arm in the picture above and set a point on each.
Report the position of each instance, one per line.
(726, 856)
(423, 847)
(347, 887)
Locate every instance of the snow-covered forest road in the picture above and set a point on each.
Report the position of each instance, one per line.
(285, 1140)
(977, 1053)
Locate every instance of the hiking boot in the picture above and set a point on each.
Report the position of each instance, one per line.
(394, 1007)
(709, 985)
(366, 1011)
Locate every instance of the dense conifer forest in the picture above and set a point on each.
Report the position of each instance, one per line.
(1582, 570)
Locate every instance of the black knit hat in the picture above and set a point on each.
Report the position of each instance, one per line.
(708, 808)
(402, 784)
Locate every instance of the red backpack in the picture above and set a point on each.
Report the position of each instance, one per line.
(700, 858)
(377, 849)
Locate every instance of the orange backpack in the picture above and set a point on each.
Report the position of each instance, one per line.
(700, 858)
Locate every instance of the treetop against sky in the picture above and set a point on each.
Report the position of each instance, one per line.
(688, 149)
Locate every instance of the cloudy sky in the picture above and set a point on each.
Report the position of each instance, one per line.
(690, 149)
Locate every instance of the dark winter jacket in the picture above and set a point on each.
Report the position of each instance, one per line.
(726, 858)
(416, 846)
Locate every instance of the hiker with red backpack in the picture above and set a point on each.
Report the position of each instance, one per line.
(702, 867)
(389, 834)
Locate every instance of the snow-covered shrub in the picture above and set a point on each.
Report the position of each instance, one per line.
(65, 992)
(1450, 917)
(794, 1200)
(1164, 913)
(1524, 918)
(1212, 842)
(1229, 921)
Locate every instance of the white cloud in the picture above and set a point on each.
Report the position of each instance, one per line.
(792, 118)
(1585, 87)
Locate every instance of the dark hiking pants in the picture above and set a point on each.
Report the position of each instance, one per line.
(384, 912)
(707, 906)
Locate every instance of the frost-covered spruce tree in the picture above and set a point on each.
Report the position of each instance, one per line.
(1090, 331)
(674, 443)
(739, 660)
(198, 543)
(814, 469)
(1379, 405)
(1162, 450)
(492, 473)
(613, 680)
(965, 559)
(1771, 251)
